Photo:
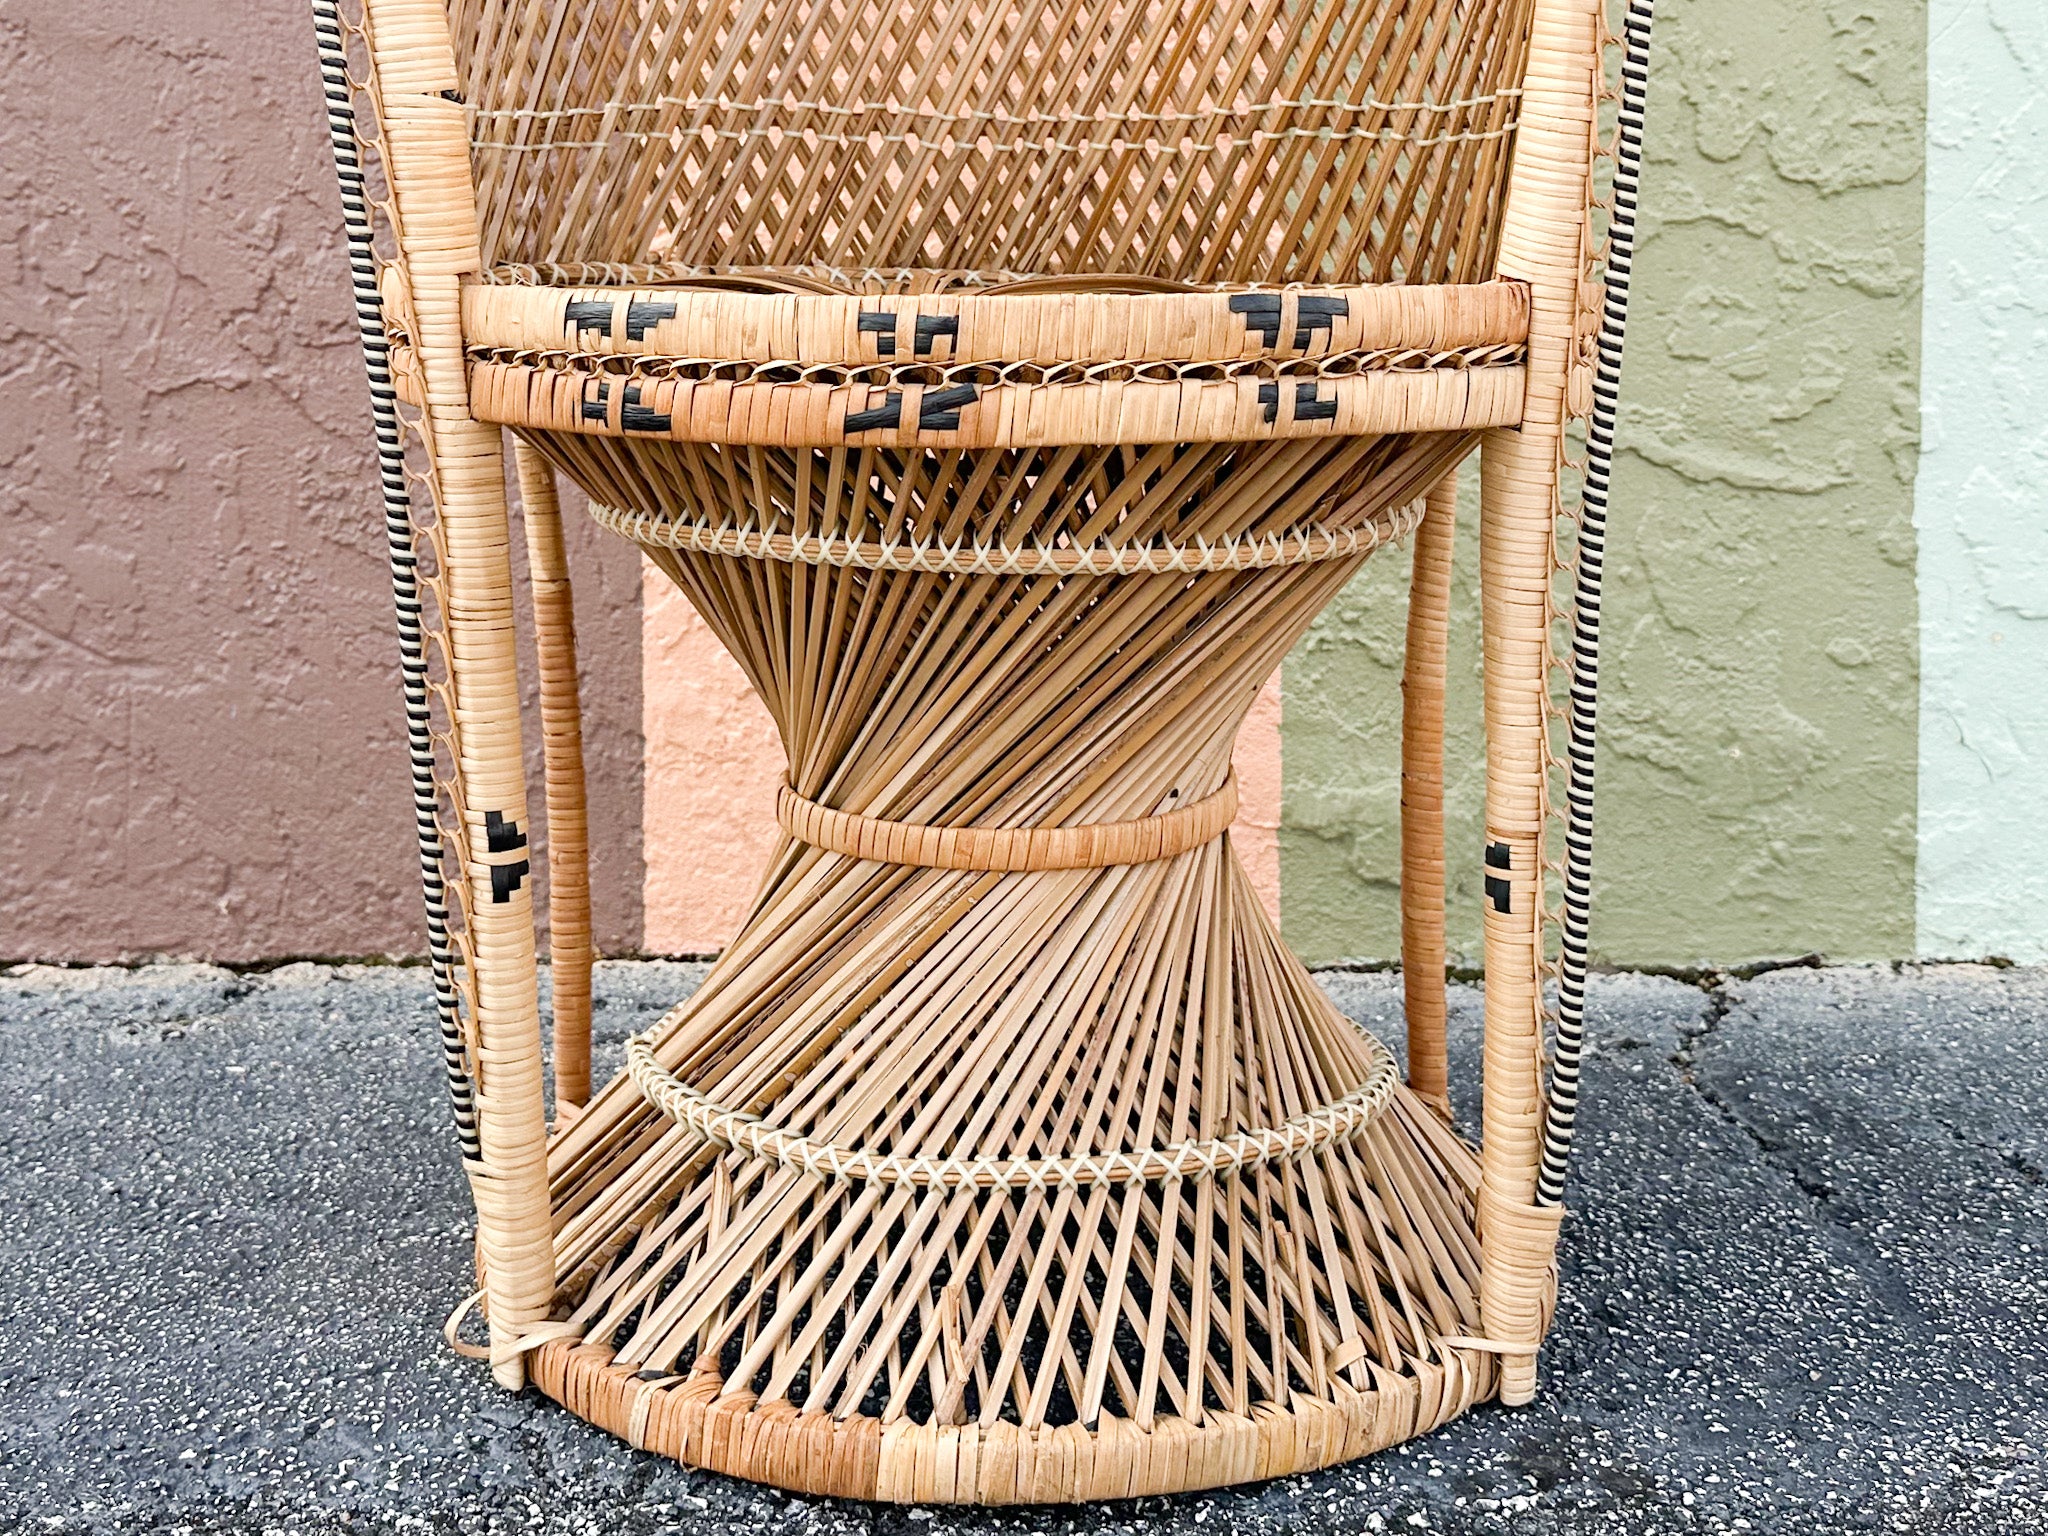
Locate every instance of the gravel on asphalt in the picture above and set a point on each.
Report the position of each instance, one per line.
(1803, 1286)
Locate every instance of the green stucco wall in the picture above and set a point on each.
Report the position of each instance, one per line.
(1758, 701)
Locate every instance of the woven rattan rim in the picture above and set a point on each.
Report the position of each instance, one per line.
(795, 329)
(990, 373)
(1142, 840)
(794, 277)
(1002, 1465)
(745, 1132)
(939, 558)
(1094, 413)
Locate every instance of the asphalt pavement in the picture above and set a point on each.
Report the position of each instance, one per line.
(1803, 1283)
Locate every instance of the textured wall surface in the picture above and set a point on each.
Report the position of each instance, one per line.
(713, 762)
(1809, 742)
(1979, 508)
(1340, 832)
(1758, 701)
(200, 745)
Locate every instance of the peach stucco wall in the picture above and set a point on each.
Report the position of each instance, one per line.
(713, 761)
(1256, 832)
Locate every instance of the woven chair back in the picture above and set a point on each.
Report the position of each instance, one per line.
(1199, 141)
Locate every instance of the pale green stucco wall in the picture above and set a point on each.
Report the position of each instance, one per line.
(1981, 519)
(1758, 705)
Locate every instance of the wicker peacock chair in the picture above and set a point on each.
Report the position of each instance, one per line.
(1008, 386)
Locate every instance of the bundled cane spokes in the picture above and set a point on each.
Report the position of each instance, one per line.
(1077, 1179)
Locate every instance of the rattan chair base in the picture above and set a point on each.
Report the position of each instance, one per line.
(1007, 1115)
(1008, 422)
(738, 1309)
(860, 1457)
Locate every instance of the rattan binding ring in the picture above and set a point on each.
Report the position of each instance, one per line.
(1141, 840)
(1309, 546)
(744, 1132)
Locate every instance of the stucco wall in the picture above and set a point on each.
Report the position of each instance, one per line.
(1979, 507)
(1822, 718)
(200, 745)
(1758, 698)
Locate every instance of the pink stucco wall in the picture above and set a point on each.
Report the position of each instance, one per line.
(713, 761)
(1256, 832)
(199, 727)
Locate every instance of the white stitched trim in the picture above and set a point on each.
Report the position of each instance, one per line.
(937, 557)
(745, 1132)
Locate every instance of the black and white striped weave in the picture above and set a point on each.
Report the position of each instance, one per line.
(405, 576)
(1561, 1114)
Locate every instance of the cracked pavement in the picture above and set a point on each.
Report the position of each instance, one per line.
(1803, 1285)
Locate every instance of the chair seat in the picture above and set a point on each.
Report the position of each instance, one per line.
(784, 360)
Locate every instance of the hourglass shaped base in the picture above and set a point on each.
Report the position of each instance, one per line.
(1007, 1153)
(1020, 1313)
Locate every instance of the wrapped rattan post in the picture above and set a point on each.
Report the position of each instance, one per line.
(1422, 795)
(425, 150)
(1542, 243)
(561, 723)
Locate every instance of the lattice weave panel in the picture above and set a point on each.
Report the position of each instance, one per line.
(1291, 140)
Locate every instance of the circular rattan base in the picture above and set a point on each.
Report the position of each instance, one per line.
(859, 1457)
(1006, 1154)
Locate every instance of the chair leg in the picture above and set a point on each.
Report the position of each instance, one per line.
(1517, 1239)
(426, 158)
(1541, 244)
(1422, 796)
(561, 714)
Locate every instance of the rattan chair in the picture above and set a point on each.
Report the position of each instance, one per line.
(1008, 386)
